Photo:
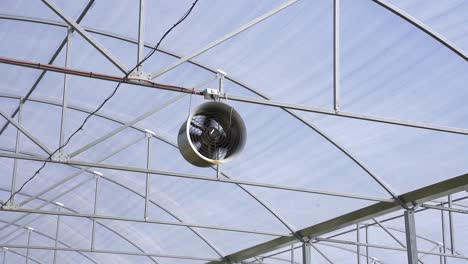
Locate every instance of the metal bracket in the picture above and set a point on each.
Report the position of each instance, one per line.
(140, 75)
(97, 174)
(60, 156)
(210, 93)
(10, 206)
(337, 109)
(150, 133)
(220, 73)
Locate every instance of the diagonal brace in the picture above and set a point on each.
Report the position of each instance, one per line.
(72, 23)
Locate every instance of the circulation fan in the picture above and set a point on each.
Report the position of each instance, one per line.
(214, 133)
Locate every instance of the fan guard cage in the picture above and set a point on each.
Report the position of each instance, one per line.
(214, 133)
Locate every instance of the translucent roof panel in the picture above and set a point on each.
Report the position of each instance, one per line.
(352, 109)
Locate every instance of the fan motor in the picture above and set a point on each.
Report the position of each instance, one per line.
(214, 133)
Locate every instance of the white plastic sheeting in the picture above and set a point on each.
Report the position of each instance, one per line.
(389, 68)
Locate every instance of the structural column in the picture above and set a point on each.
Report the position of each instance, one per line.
(358, 248)
(57, 230)
(96, 192)
(367, 247)
(306, 253)
(30, 230)
(292, 254)
(149, 135)
(65, 88)
(17, 151)
(410, 228)
(336, 55)
(452, 233)
(4, 255)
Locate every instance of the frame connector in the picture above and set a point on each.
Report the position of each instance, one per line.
(212, 94)
(150, 133)
(60, 156)
(140, 75)
(337, 109)
(97, 174)
(414, 206)
(10, 206)
(220, 73)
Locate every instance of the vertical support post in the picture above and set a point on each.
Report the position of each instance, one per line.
(358, 248)
(367, 242)
(411, 245)
(220, 74)
(59, 207)
(30, 229)
(441, 261)
(292, 254)
(148, 158)
(336, 55)
(141, 31)
(96, 191)
(306, 253)
(4, 255)
(452, 233)
(17, 150)
(444, 243)
(65, 86)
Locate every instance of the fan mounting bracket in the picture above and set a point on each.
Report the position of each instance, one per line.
(210, 93)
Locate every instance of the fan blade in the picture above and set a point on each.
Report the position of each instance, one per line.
(197, 126)
(206, 121)
(196, 132)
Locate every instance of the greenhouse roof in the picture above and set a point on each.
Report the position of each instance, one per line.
(356, 121)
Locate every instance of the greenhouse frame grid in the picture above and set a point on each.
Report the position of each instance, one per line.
(411, 202)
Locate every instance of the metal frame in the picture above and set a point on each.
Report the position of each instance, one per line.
(36, 196)
(103, 251)
(142, 220)
(288, 108)
(51, 61)
(238, 82)
(420, 25)
(284, 105)
(90, 39)
(193, 177)
(418, 196)
(411, 245)
(224, 38)
(21, 227)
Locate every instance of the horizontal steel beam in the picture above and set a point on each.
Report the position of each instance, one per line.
(448, 209)
(94, 75)
(418, 196)
(193, 177)
(141, 220)
(350, 115)
(346, 242)
(103, 251)
(244, 99)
